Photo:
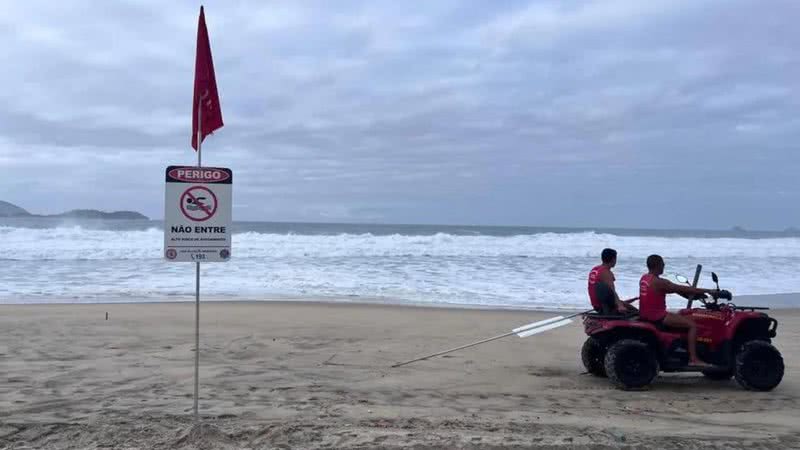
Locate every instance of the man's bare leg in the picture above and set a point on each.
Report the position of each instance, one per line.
(692, 338)
(677, 321)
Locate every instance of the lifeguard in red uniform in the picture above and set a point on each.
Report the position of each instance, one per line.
(653, 292)
(602, 292)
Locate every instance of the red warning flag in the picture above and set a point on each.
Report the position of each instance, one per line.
(206, 97)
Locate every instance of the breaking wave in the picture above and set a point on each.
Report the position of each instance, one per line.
(529, 270)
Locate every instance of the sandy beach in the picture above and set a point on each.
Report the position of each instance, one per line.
(315, 375)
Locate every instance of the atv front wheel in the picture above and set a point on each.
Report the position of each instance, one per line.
(759, 366)
(631, 364)
(718, 374)
(593, 355)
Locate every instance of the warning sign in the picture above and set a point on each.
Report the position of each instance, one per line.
(197, 214)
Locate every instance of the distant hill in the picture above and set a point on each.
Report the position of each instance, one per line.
(95, 214)
(11, 210)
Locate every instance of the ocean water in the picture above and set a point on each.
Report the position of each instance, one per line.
(50, 260)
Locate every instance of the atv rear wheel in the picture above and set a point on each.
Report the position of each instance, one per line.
(718, 374)
(593, 355)
(631, 364)
(759, 366)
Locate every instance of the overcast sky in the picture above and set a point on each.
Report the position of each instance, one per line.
(658, 113)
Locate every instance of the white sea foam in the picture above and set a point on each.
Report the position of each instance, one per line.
(545, 269)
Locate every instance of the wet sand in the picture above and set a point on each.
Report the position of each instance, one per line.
(315, 375)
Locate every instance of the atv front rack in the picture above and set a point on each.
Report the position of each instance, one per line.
(751, 308)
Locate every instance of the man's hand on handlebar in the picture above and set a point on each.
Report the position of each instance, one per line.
(705, 293)
(723, 294)
(715, 294)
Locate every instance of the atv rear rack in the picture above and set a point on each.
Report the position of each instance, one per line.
(594, 315)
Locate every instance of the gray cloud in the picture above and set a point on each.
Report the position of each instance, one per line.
(598, 113)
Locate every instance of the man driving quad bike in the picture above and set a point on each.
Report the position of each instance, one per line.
(736, 340)
(653, 292)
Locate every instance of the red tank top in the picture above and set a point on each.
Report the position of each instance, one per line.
(652, 303)
(594, 277)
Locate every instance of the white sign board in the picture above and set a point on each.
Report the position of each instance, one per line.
(197, 214)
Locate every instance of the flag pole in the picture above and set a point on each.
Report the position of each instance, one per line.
(197, 280)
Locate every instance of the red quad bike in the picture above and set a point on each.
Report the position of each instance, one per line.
(737, 340)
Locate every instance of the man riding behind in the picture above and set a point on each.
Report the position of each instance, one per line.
(653, 292)
(602, 292)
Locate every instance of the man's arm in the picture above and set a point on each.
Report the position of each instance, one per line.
(607, 278)
(687, 292)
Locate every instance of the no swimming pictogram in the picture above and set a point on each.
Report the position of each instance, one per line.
(198, 203)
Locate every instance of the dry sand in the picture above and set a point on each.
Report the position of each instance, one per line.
(309, 375)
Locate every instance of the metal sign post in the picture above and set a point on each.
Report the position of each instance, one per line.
(197, 227)
(197, 281)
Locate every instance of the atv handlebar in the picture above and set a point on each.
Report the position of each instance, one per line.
(714, 297)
